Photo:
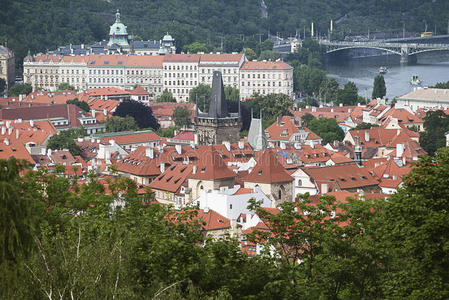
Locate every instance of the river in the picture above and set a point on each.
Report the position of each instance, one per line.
(430, 69)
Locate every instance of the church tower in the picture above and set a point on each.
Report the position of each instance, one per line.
(218, 125)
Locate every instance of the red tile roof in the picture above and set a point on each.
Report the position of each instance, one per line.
(221, 57)
(153, 61)
(182, 58)
(172, 179)
(346, 176)
(211, 166)
(268, 170)
(107, 60)
(265, 65)
(133, 138)
(185, 136)
(283, 129)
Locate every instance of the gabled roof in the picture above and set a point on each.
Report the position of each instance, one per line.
(172, 179)
(346, 176)
(14, 148)
(138, 163)
(211, 166)
(268, 170)
(283, 129)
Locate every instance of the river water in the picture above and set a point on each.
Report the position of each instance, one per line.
(430, 69)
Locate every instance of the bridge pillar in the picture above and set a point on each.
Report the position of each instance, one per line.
(404, 54)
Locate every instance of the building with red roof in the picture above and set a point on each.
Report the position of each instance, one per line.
(210, 172)
(287, 130)
(265, 77)
(321, 180)
(271, 177)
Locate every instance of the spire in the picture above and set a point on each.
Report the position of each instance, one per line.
(256, 134)
(117, 17)
(218, 107)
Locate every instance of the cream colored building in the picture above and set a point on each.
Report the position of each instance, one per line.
(181, 74)
(145, 71)
(265, 77)
(7, 66)
(425, 98)
(42, 71)
(228, 64)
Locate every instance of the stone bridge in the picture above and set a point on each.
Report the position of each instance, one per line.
(401, 49)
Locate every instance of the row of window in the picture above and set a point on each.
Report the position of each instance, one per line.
(180, 75)
(180, 82)
(263, 76)
(178, 67)
(263, 83)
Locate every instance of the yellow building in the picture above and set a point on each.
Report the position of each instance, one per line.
(7, 66)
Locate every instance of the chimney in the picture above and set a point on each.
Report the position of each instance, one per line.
(282, 145)
(112, 142)
(324, 189)
(105, 112)
(367, 136)
(195, 168)
(162, 167)
(399, 150)
(31, 123)
(3, 130)
(314, 109)
(398, 132)
(178, 149)
(6, 141)
(227, 145)
(341, 105)
(206, 210)
(17, 134)
(10, 130)
(241, 145)
(80, 140)
(93, 113)
(332, 110)
(149, 152)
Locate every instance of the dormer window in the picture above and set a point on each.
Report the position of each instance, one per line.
(259, 173)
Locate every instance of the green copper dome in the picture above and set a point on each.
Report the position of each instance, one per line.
(118, 33)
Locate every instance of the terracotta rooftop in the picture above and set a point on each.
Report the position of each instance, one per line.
(268, 170)
(211, 166)
(265, 66)
(172, 179)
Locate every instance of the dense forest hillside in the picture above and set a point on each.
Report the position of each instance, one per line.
(37, 25)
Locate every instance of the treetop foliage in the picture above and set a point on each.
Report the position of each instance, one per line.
(142, 114)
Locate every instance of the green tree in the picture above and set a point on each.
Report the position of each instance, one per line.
(348, 95)
(2, 85)
(329, 90)
(141, 113)
(270, 55)
(20, 89)
(416, 222)
(166, 96)
(182, 116)
(168, 132)
(379, 89)
(327, 129)
(81, 104)
(250, 54)
(66, 140)
(308, 80)
(117, 124)
(195, 47)
(266, 45)
(201, 96)
(436, 124)
(272, 106)
(232, 93)
(363, 126)
(439, 85)
(66, 86)
(306, 119)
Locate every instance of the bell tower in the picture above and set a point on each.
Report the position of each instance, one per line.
(218, 125)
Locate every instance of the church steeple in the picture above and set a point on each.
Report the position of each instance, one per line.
(218, 107)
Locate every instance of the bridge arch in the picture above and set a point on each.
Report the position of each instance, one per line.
(427, 50)
(363, 47)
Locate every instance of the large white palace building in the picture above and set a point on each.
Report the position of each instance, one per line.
(155, 71)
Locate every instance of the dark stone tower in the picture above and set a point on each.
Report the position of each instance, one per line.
(218, 125)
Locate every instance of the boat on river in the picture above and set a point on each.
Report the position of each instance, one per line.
(383, 70)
